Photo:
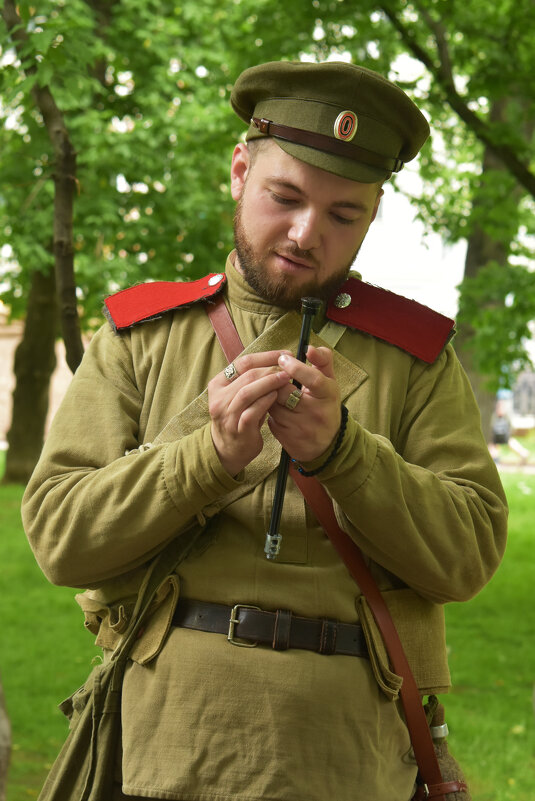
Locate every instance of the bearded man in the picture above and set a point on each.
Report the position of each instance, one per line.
(162, 433)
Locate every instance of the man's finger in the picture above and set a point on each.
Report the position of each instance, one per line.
(251, 361)
(253, 387)
(254, 415)
(322, 359)
(315, 379)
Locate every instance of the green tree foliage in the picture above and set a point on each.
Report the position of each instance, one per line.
(499, 302)
(144, 88)
(470, 71)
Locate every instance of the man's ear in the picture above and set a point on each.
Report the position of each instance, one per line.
(241, 161)
(377, 204)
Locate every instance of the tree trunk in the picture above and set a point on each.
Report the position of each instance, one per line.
(486, 399)
(35, 360)
(65, 183)
(5, 745)
(483, 249)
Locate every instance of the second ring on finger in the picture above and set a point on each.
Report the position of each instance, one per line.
(293, 399)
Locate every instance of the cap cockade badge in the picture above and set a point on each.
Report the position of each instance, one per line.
(345, 126)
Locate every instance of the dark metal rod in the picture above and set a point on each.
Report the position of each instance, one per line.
(309, 307)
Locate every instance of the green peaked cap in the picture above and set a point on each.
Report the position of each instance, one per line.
(340, 117)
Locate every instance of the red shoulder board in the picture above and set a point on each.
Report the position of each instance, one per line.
(417, 329)
(144, 302)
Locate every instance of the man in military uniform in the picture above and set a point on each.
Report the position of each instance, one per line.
(158, 434)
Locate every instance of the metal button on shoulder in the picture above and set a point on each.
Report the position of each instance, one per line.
(342, 301)
(215, 279)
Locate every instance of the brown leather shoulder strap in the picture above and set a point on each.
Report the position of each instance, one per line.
(320, 503)
(224, 328)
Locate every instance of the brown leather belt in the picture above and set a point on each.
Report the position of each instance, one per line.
(248, 626)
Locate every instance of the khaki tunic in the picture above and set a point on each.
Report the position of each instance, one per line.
(413, 484)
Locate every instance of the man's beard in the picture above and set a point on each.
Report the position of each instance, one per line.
(277, 289)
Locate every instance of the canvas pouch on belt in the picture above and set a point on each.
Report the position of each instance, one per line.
(85, 767)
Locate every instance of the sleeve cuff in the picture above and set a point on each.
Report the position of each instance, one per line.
(193, 472)
(356, 455)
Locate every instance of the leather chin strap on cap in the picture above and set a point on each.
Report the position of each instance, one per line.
(328, 144)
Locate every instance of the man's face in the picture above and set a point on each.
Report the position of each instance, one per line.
(297, 228)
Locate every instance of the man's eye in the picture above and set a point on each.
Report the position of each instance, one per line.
(284, 201)
(343, 220)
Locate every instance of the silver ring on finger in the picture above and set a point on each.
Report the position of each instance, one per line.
(293, 399)
(230, 372)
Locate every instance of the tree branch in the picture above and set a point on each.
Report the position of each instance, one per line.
(444, 77)
(439, 32)
(65, 182)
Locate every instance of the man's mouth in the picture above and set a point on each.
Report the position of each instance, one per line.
(296, 260)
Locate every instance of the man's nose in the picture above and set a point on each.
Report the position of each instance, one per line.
(305, 230)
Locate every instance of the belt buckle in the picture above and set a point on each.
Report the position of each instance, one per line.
(233, 622)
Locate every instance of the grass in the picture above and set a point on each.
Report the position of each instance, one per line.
(45, 654)
(492, 650)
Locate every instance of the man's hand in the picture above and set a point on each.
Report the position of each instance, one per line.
(307, 431)
(239, 407)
